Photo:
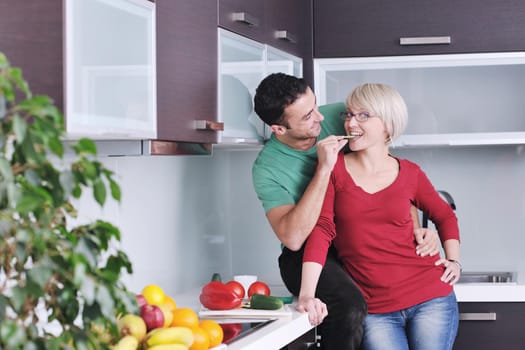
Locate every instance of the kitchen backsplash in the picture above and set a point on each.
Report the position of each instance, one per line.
(184, 217)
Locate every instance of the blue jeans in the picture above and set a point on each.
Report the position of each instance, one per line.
(431, 325)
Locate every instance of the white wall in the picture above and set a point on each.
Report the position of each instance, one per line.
(184, 217)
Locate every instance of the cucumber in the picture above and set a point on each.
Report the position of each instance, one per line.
(265, 302)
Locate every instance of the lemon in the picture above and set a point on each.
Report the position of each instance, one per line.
(153, 294)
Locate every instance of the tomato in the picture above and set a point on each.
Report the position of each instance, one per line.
(258, 288)
(237, 288)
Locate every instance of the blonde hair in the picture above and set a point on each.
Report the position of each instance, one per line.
(384, 102)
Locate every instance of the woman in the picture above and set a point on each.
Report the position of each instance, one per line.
(411, 302)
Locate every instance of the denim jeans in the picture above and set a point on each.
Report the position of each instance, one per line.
(342, 329)
(431, 325)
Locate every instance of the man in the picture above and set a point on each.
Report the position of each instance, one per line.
(290, 177)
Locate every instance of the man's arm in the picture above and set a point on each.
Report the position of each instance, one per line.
(427, 240)
(293, 223)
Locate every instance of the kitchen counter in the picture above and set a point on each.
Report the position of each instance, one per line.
(490, 292)
(273, 336)
(285, 330)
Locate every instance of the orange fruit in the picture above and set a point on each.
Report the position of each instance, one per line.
(201, 339)
(153, 294)
(185, 317)
(214, 331)
(170, 302)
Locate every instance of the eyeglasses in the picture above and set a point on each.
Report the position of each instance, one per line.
(360, 117)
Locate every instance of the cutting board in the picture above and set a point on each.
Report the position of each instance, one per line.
(285, 311)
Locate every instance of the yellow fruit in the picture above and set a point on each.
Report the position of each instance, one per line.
(171, 335)
(215, 332)
(168, 347)
(201, 339)
(170, 302)
(185, 317)
(128, 342)
(153, 294)
(131, 324)
(168, 314)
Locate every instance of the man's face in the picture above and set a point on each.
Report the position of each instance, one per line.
(302, 117)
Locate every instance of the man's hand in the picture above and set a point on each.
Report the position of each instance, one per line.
(315, 307)
(327, 150)
(427, 242)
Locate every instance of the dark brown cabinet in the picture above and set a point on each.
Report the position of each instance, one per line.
(187, 71)
(244, 17)
(359, 28)
(287, 26)
(490, 325)
(282, 24)
(31, 36)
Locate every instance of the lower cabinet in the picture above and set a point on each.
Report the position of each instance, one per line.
(488, 326)
(307, 341)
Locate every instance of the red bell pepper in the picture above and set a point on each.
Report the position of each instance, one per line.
(218, 296)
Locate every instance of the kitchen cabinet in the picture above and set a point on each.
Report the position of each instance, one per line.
(31, 36)
(187, 71)
(453, 100)
(281, 24)
(101, 77)
(491, 325)
(360, 28)
(243, 64)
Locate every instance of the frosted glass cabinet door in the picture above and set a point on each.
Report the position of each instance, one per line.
(110, 69)
(241, 68)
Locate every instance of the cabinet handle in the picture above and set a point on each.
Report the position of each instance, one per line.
(286, 36)
(246, 18)
(477, 316)
(425, 40)
(209, 125)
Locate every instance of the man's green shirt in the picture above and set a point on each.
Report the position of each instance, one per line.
(281, 174)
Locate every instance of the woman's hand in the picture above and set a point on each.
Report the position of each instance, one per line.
(315, 307)
(452, 271)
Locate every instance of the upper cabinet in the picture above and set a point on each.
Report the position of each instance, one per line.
(243, 64)
(452, 100)
(281, 24)
(110, 69)
(31, 36)
(361, 28)
(187, 71)
(101, 76)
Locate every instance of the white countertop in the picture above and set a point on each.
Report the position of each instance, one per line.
(286, 329)
(490, 292)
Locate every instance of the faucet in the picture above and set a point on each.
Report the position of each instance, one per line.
(448, 198)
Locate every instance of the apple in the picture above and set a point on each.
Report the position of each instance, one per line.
(152, 316)
(141, 300)
(131, 324)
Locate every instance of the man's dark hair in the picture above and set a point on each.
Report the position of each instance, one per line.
(276, 92)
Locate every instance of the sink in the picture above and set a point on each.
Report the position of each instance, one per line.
(487, 277)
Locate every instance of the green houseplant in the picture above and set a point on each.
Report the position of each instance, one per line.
(60, 285)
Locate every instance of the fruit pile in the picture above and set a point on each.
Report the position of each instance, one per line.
(161, 325)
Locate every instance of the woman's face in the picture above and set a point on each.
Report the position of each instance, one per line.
(368, 129)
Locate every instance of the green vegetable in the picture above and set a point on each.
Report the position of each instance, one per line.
(265, 302)
(287, 299)
(216, 277)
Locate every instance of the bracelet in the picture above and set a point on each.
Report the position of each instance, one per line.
(456, 262)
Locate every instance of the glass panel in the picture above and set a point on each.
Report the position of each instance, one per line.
(241, 68)
(445, 94)
(110, 60)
